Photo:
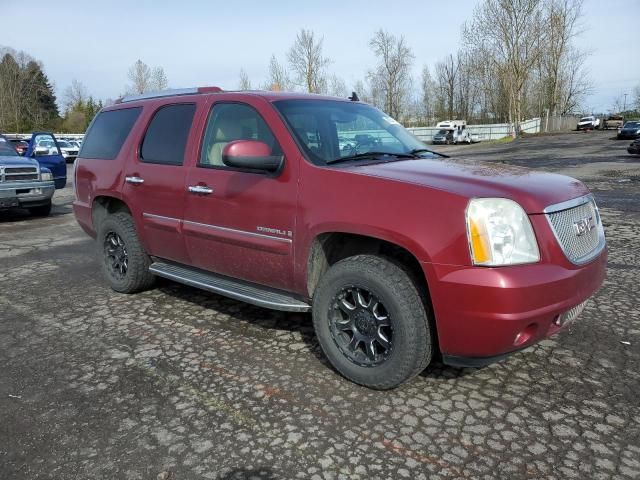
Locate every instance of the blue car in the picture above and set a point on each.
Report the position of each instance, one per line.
(44, 148)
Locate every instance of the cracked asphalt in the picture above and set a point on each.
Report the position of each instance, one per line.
(176, 383)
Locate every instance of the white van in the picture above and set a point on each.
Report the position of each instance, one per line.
(451, 124)
(459, 129)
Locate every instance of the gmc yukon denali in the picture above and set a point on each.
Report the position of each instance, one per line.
(306, 203)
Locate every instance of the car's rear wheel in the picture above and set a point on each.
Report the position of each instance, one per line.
(371, 322)
(124, 262)
(40, 211)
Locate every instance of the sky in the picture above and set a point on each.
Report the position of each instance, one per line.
(200, 42)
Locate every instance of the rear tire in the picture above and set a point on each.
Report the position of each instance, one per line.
(41, 211)
(371, 322)
(124, 263)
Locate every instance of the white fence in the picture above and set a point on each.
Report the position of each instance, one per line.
(27, 136)
(494, 131)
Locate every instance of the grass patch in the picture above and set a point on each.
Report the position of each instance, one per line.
(499, 141)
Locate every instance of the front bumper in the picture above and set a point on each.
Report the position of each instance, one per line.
(483, 314)
(627, 136)
(25, 194)
(60, 182)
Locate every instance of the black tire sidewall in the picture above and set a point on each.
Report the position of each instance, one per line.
(137, 276)
(408, 348)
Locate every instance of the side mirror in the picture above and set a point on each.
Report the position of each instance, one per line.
(251, 155)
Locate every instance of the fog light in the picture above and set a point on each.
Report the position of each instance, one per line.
(525, 335)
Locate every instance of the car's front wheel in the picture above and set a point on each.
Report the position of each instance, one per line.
(124, 262)
(371, 322)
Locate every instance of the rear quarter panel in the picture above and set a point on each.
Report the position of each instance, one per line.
(97, 177)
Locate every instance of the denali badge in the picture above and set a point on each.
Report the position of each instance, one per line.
(584, 225)
(277, 231)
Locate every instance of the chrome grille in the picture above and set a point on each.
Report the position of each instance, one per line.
(571, 314)
(578, 228)
(17, 174)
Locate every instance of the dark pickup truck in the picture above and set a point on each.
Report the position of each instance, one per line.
(399, 253)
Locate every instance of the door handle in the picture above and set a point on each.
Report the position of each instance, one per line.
(200, 189)
(134, 180)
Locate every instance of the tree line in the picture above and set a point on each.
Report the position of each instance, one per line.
(518, 59)
(28, 101)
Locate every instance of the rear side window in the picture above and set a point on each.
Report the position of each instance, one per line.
(166, 137)
(108, 132)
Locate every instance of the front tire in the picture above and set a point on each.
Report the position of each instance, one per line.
(124, 263)
(41, 211)
(371, 322)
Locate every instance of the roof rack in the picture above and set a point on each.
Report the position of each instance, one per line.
(169, 93)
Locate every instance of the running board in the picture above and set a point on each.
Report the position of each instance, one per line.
(247, 292)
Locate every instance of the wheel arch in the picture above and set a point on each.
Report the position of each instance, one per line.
(327, 248)
(104, 205)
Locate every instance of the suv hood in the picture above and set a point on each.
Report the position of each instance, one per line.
(533, 190)
(11, 161)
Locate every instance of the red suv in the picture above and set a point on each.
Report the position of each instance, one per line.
(309, 203)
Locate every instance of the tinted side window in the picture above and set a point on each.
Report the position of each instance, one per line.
(166, 137)
(233, 121)
(108, 132)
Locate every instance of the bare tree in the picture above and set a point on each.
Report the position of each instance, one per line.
(510, 30)
(308, 61)
(447, 78)
(636, 98)
(337, 87)
(392, 74)
(244, 83)
(428, 95)
(158, 81)
(561, 26)
(574, 83)
(75, 95)
(363, 92)
(278, 77)
(140, 77)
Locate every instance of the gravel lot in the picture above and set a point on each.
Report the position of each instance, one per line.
(178, 384)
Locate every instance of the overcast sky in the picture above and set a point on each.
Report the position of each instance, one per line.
(208, 42)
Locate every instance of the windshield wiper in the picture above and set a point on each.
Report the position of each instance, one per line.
(417, 151)
(371, 155)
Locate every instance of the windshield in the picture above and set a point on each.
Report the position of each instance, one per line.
(442, 132)
(329, 130)
(6, 149)
(632, 125)
(63, 144)
(586, 119)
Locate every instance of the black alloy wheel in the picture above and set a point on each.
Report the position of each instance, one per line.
(116, 257)
(361, 326)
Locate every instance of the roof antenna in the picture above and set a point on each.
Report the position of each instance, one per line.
(354, 97)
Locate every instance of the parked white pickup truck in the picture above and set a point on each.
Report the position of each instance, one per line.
(588, 123)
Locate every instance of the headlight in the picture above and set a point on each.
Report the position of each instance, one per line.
(500, 233)
(46, 176)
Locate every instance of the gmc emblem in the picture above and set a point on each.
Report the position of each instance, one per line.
(584, 225)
